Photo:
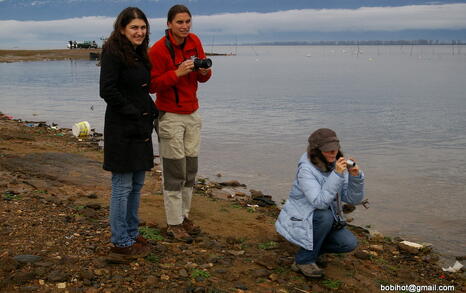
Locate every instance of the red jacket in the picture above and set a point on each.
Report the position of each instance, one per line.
(164, 79)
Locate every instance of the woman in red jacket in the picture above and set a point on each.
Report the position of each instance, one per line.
(174, 79)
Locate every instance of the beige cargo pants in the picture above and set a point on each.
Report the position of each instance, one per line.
(180, 138)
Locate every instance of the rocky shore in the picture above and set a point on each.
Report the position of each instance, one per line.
(54, 234)
(46, 55)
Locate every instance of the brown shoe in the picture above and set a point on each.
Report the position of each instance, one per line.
(127, 254)
(309, 270)
(189, 227)
(142, 240)
(177, 232)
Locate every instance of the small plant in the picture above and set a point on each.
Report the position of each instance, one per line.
(268, 245)
(196, 273)
(153, 258)
(41, 191)
(9, 195)
(236, 206)
(332, 284)
(150, 233)
(78, 208)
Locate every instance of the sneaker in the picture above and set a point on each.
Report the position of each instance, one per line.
(127, 254)
(177, 232)
(309, 270)
(190, 228)
(142, 240)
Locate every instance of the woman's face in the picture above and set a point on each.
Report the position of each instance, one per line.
(135, 31)
(330, 156)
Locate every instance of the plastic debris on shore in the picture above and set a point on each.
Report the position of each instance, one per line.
(455, 268)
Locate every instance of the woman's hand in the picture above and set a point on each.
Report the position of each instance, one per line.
(184, 68)
(354, 171)
(340, 165)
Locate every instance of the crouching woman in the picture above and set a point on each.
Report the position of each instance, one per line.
(311, 217)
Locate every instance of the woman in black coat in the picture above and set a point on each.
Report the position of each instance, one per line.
(129, 117)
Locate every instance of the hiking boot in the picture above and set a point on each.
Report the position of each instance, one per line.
(309, 270)
(127, 254)
(190, 228)
(142, 240)
(177, 232)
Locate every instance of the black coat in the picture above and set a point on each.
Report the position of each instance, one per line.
(129, 115)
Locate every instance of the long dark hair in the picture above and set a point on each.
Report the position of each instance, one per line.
(317, 158)
(119, 45)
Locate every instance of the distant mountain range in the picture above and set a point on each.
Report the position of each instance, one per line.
(63, 9)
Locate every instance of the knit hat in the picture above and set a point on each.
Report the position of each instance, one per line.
(324, 139)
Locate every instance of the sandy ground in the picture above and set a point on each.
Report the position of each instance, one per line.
(54, 209)
(45, 55)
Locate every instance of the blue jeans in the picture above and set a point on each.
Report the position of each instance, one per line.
(326, 239)
(124, 204)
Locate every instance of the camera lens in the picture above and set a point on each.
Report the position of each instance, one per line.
(202, 63)
(350, 163)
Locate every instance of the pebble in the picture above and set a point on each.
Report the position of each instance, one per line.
(362, 255)
(27, 258)
(57, 276)
(183, 273)
(23, 277)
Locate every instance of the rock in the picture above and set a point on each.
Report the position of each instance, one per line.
(27, 258)
(241, 286)
(375, 235)
(240, 194)
(431, 258)
(57, 276)
(220, 194)
(255, 193)
(8, 264)
(23, 277)
(29, 288)
(273, 277)
(260, 273)
(94, 206)
(164, 277)
(461, 258)
(411, 247)
(61, 285)
(44, 264)
(362, 254)
(152, 281)
(233, 183)
(89, 213)
(86, 275)
(348, 208)
(236, 252)
(375, 247)
(183, 273)
(92, 196)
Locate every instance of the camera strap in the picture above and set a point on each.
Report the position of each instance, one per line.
(170, 48)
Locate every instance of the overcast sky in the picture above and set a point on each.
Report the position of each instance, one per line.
(300, 25)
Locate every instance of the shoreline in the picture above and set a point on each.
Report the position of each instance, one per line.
(8, 56)
(49, 175)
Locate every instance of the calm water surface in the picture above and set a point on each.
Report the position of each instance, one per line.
(399, 110)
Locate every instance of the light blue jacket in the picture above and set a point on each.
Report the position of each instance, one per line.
(314, 189)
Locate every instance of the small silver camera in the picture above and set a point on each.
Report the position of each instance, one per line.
(350, 164)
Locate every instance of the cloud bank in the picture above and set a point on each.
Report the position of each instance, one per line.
(55, 33)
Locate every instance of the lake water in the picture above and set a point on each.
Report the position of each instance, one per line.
(399, 110)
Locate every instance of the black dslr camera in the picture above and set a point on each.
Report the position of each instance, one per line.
(202, 63)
